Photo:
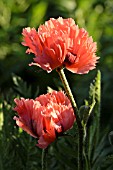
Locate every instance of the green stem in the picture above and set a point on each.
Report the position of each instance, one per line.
(44, 159)
(87, 163)
(79, 124)
(80, 149)
(68, 90)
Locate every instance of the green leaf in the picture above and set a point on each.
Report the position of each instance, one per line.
(38, 12)
(22, 88)
(108, 162)
(94, 120)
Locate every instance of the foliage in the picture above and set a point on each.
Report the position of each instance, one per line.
(17, 149)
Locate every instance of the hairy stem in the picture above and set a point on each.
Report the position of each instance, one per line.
(79, 124)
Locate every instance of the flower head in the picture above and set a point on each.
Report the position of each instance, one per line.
(60, 42)
(45, 117)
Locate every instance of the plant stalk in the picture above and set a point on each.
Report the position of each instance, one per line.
(79, 124)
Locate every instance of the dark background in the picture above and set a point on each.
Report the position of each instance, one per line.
(96, 16)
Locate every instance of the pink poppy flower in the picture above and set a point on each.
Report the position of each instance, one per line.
(60, 42)
(46, 117)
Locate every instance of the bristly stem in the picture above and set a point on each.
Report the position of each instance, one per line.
(79, 124)
(67, 89)
(44, 159)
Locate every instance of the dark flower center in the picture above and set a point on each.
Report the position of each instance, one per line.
(70, 58)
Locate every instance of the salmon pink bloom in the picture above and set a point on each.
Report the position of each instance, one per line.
(46, 117)
(60, 42)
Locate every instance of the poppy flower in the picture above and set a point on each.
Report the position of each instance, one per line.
(46, 117)
(61, 43)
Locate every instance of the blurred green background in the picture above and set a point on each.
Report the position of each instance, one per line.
(96, 16)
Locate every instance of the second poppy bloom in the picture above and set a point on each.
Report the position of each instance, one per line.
(60, 42)
(46, 117)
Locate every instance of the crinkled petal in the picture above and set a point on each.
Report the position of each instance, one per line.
(46, 117)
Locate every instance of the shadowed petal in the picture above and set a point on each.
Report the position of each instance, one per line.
(60, 42)
(45, 116)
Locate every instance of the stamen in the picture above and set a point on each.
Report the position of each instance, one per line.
(70, 58)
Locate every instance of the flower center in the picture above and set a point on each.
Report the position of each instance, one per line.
(70, 58)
